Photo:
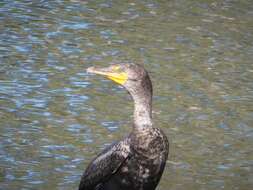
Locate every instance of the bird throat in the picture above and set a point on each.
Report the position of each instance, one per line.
(142, 112)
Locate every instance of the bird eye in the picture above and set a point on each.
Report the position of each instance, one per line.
(134, 79)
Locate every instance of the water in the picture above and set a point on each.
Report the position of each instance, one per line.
(55, 118)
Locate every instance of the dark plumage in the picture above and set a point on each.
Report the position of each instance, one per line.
(136, 162)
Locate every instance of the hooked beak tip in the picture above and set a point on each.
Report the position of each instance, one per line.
(90, 70)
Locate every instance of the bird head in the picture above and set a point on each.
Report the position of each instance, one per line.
(132, 76)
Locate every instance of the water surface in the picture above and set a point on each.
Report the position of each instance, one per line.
(55, 117)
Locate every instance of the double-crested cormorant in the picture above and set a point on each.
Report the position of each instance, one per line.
(136, 162)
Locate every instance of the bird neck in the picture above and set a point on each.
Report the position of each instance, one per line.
(142, 108)
(142, 113)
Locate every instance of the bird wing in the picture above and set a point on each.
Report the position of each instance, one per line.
(105, 165)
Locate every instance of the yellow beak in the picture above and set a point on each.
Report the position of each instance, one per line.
(111, 72)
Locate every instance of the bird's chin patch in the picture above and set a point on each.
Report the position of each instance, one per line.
(119, 78)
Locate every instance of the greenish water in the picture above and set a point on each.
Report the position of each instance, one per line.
(54, 118)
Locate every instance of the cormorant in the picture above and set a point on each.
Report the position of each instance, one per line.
(136, 162)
